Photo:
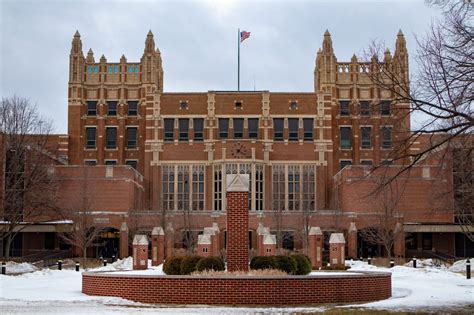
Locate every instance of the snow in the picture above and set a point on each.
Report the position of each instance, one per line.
(50, 291)
(15, 268)
(460, 266)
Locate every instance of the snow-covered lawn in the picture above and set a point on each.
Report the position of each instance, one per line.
(59, 292)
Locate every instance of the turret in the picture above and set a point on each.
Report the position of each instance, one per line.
(90, 56)
(326, 64)
(400, 58)
(76, 59)
(152, 70)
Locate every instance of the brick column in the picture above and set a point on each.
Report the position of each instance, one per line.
(269, 245)
(315, 250)
(261, 232)
(169, 238)
(157, 246)
(140, 252)
(237, 222)
(337, 254)
(352, 239)
(399, 244)
(204, 245)
(123, 246)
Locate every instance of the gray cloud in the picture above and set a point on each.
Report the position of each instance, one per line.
(198, 41)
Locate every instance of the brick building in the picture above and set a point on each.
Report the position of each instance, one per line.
(156, 158)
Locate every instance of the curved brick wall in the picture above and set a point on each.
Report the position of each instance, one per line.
(292, 290)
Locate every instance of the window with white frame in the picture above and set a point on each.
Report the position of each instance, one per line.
(293, 187)
(198, 187)
(258, 187)
(168, 187)
(218, 187)
(183, 187)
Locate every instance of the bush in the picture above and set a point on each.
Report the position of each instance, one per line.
(210, 263)
(263, 262)
(303, 264)
(172, 265)
(286, 264)
(188, 264)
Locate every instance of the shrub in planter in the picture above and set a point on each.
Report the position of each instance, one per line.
(172, 265)
(303, 264)
(210, 263)
(263, 262)
(286, 264)
(188, 264)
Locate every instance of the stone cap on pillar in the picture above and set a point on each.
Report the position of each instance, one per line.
(352, 227)
(315, 230)
(124, 227)
(262, 230)
(209, 231)
(204, 239)
(269, 239)
(157, 230)
(215, 226)
(337, 238)
(237, 182)
(140, 240)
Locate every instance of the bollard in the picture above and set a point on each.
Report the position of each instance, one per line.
(113, 258)
(77, 266)
(361, 258)
(414, 262)
(468, 269)
(369, 260)
(60, 264)
(392, 263)
(105, 262)
(4, 268)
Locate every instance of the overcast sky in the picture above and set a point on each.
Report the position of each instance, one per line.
(197, 40)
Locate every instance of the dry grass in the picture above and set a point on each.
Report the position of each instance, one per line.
(255, 273)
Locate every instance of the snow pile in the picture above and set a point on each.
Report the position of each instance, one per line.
(16, 268)
(120, 264)
(420, 263)
(460, 266)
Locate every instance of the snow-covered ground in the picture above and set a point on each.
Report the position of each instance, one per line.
(59, 292)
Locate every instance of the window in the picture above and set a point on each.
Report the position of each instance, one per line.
(364, 108)
(111, 137)
(308, 129)
(386, 162)
(198, 125)
(183, 187)
(89, 69)
(278, 182)
(90, 138)
(293, 105)
(238, 128)
(258, 187)
(293, 129)
(90, 162)
(112, 108)
(343, 163)
(385, 108)
(366, 162)
(183, 124)
(386, 133)
(344, 108)
(223, 128)
(168, 187)
(96, 69)
(132, 108)
(169, 129)
(294, 187)
(132, 163)
(137, 70)
(130, 69)
(253, 128)
(131, 138)
(217, 187)
(183, 105)
(238, 104)
(365, 134)
(111, 69)
(110, 162)
(278, 129)
(346, 136)
(198, 187)
(116, 69)
(91, 108)
(308, 188)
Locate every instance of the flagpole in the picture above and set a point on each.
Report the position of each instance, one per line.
(238, 60)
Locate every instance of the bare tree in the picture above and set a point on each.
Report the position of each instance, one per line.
(29, 189)
(385, 203)
(86, 230)
(438, 98)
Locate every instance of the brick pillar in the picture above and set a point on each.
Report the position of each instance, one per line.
(169, 239)
(123, 246)
(204, 245)
(352, 239)
(157, 246)
(261, 232)
(269, 245)
(337, 255)
(399, 244)
(237, 222)
(140, 252)
(315, 250)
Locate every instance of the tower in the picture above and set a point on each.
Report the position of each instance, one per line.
(326, 64)
(151, 64)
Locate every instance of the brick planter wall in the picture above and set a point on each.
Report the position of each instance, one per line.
(291, 290)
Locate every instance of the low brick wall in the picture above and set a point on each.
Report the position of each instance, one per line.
(263, 290)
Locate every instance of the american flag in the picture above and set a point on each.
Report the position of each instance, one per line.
(244, 35)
